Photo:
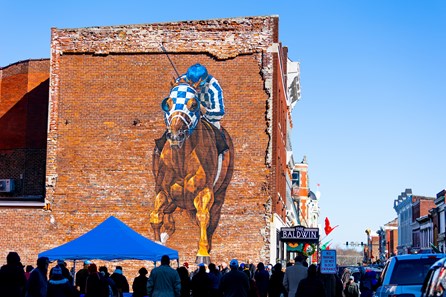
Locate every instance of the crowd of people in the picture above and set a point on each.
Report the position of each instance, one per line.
(233, 280)
(90, 281)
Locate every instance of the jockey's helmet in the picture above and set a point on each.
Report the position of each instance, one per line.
(196, 73)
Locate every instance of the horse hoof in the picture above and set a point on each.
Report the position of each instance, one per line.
(203, 259)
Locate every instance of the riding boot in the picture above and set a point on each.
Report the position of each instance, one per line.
(222, 145)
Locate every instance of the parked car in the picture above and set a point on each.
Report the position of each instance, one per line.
(434, 283)
(403, 275)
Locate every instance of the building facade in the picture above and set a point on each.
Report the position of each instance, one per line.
(23, 122)
(105, 89)
(410, 210)
(439, 221)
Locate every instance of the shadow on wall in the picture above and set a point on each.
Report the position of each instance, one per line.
(23, 136)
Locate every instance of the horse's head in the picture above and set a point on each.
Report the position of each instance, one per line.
(182, 113)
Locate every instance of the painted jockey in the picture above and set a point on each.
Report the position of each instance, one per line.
(210, 95)
(209, 91)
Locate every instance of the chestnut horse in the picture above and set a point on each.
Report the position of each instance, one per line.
(189, 171)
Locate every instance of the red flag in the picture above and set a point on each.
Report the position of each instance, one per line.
(327, 227)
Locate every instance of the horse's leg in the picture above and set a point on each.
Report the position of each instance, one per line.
(220, 190)
(203, 203)
(157, 215)
(168, 221)
(215, 214)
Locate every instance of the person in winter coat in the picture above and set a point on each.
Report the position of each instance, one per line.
(140, 283)
(97, 285)
(81, 277)
(294, 274)
(312, 285)
(59, 285)
(37, 285)
(351, 288)
(261, 277)
(185, 281)
(12, 277)
(201, 283)
(235, 283)
(276, 282)
(104, 273)
(121, 281)
(215, 276)
(164, 281)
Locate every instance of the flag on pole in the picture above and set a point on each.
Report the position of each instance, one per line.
(327, 227)
(325, 246)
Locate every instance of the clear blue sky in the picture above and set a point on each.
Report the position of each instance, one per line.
(373, 75)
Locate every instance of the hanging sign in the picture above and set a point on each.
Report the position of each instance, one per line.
(299, 234)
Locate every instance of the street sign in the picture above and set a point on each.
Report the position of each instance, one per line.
(328, 262)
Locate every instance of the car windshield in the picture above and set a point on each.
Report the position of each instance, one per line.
(411, 272)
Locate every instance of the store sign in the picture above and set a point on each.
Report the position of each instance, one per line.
(299, 233)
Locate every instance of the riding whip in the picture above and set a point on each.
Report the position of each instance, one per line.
(171, 62)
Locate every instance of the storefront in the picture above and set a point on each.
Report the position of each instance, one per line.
(300, 239)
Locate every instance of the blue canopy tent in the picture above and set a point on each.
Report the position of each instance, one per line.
(110, 240)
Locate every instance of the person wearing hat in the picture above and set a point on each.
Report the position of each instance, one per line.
(65, 272)
(37, 285)
(201, 283)
(351, 288)
(81, 277)
(12, 276)
(210, 93)
(59, 285)
(235, 282)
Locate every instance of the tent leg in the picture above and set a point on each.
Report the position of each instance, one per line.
(73, 272)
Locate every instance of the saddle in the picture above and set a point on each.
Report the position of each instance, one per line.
(220, 138)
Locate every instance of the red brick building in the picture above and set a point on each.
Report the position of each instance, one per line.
(23, 122)
(105, 89)
(391, 237)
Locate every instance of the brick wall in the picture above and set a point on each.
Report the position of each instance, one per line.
(106, 87)
(23, 125)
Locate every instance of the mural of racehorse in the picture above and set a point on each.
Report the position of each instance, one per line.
(189, 172)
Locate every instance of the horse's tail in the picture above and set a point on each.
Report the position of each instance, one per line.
(220, 192)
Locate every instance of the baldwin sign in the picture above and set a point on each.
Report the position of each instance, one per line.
(299, 234)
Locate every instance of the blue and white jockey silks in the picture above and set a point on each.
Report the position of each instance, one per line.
(180, 95)
(210, 96)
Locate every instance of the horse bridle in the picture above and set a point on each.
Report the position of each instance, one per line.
(179, 108)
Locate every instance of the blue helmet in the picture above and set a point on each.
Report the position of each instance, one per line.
(196, 72)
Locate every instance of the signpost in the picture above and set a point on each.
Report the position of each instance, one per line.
(328, 262)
